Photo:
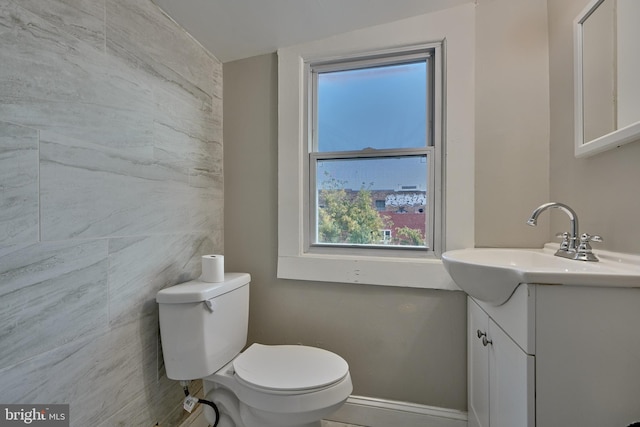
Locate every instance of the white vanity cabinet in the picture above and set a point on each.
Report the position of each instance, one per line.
(501, 375)
(555, 356)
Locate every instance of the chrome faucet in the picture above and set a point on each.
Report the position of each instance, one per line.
(569, 241)
(572, 246)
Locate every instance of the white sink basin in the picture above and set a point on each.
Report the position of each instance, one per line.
(491, 275)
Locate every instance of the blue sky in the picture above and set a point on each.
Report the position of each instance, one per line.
(375, 174)
(378, 107)
(382, 107)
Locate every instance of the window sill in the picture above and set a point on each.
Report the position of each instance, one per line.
(402, 272)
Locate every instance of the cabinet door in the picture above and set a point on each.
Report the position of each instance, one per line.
(478, 366)
(511, 381)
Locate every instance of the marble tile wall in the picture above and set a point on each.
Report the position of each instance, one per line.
(111, 188)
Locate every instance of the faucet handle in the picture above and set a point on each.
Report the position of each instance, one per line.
(564, 245)
(584, 249)
(586, 238)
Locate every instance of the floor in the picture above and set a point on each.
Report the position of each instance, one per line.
(197, 420)
(334, 424)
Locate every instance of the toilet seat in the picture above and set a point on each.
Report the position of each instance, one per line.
(289, 368)
(276, 384)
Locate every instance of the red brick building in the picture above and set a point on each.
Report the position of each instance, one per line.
(401, 208)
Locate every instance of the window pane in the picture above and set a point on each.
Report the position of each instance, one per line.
(372, 201)
(380, 107)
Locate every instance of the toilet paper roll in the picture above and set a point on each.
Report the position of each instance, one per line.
(212, 268)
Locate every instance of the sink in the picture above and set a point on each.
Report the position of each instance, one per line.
(492, 275)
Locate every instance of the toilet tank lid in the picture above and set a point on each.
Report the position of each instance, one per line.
(197, 290)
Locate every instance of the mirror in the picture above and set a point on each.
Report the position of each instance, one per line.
(607, 76)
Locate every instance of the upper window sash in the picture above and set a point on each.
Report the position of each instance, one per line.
(425, 53)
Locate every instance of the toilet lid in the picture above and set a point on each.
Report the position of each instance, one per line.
(289, 367)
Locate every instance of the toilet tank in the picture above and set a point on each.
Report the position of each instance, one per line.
(203, 325)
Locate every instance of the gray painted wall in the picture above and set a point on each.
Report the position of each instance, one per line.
(512, 122)
(603, 189)
(401, 344)
(110, 189)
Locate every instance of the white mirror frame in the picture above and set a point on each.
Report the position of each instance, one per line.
(611, 140)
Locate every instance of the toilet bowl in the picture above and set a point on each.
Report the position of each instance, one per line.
(203, 329)
(280, 386)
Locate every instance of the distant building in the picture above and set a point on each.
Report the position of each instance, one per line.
(405, 206)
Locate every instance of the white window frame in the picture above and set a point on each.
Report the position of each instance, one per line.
(454, 29)
(431, 52)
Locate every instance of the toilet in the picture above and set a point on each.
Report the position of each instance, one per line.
(203, 327)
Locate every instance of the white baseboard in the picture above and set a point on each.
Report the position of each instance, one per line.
(371, 412)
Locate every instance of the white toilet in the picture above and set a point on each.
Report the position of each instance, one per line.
(203, 327)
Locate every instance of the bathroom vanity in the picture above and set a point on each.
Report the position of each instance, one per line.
(552, 341)
(555, 355)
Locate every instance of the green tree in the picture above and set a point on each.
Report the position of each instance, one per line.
(409, 236)
(348, 218)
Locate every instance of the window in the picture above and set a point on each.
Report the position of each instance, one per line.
(372, 151)
(452, 163)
